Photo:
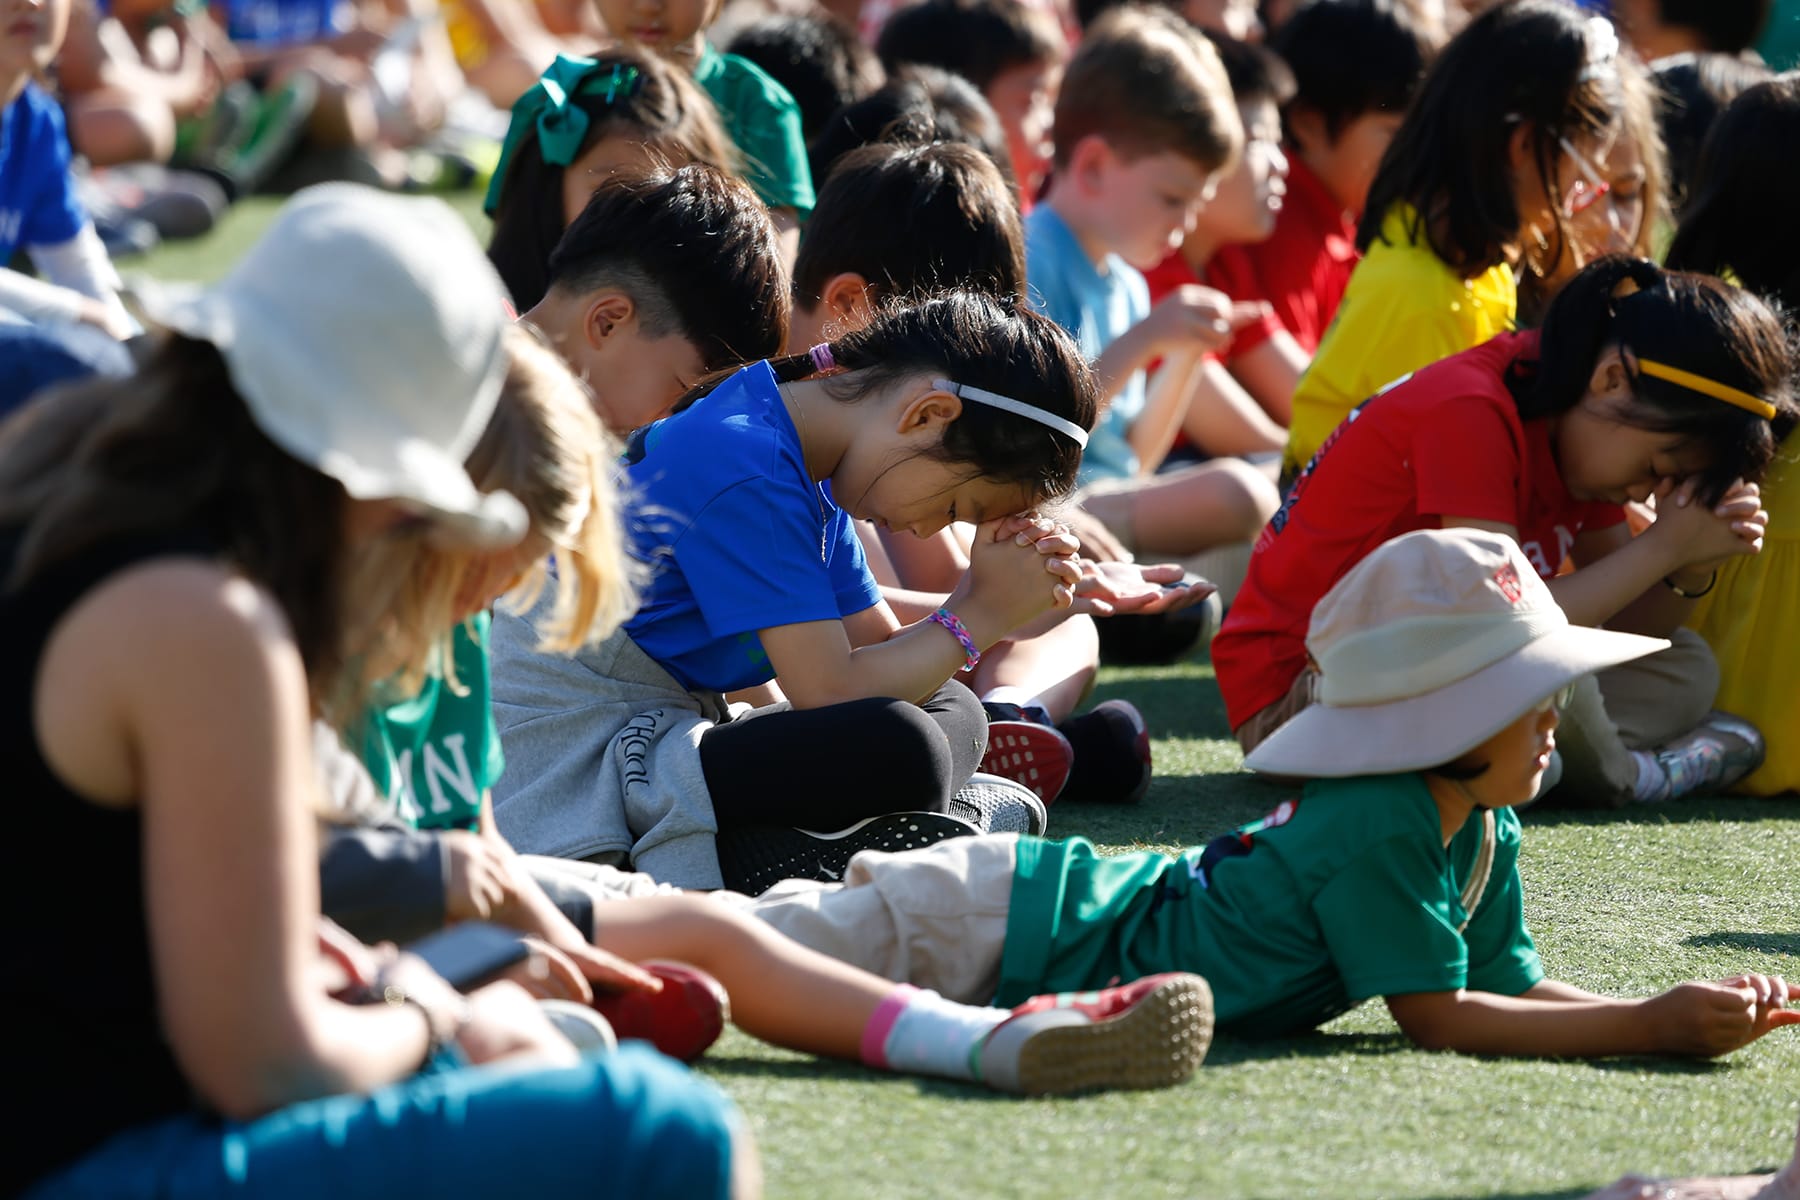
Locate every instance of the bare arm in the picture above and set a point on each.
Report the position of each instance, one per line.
(1224, 420)
(823, 662)
(1165, 410)
(1270, 371)
(1555, 1020)
(194, 681)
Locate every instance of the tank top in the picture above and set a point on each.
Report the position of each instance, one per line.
(86, 1056)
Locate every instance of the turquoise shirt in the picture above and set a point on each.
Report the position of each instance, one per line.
(763, 120)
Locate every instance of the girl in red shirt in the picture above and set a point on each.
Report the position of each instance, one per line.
(1644, 385)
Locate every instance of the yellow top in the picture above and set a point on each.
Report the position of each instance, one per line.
(1403, 309)
(1748, 620)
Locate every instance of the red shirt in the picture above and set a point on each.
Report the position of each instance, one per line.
(1444, 441)
(1301, 270)
(1174, 271)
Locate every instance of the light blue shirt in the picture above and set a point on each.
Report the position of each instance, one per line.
(1096, 303)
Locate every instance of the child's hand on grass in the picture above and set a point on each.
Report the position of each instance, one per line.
(1711, 1019)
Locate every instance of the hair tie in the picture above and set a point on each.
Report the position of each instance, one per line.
(963, 391)
(1736, 397)
(549, 107)
(822, 357)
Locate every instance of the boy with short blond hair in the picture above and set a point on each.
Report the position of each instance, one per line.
(1145, 123)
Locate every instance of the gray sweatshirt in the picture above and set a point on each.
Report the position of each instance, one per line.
(603, 756)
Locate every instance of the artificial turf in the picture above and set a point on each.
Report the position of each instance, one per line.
(1626, 904)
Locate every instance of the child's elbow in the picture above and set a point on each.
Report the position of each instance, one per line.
(1428, 1019)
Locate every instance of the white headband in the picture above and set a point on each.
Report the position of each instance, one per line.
(963, 391)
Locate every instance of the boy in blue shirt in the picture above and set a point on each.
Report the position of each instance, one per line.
(1442, 656)
(1145, 124)
(38, 208)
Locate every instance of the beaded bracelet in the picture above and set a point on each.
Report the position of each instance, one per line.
(950, 621)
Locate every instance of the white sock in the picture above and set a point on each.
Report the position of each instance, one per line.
(920, 1033)
(1006, 693)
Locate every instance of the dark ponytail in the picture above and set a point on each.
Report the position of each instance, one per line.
(1692, 322)
(974, 339)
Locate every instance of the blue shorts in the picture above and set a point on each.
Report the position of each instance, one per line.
(631, 1123)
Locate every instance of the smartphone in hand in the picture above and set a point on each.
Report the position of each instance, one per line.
(471, 953)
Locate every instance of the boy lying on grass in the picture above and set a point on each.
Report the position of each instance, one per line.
(1395, 874)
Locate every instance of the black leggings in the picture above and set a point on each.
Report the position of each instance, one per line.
(825, 768)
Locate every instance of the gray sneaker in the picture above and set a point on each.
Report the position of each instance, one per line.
(1708, 758)
(591, 1032)
(993, 804)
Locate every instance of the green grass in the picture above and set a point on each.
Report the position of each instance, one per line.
(1624, 904)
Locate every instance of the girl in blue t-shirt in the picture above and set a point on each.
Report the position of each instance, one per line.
(740, 512)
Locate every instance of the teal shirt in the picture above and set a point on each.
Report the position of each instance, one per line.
(436, 755)
(1343, 895)
(763, 120)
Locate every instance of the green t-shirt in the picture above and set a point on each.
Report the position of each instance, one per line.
(762, 119)
(1342, 895)
(436, 755)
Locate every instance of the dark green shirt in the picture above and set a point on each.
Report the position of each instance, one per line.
(764, 121)
(1345, 894)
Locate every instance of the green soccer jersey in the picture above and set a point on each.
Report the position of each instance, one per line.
(436, 755)
(762, 119)
(1344, 894)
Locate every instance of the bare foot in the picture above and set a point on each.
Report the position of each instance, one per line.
(1724, 1187)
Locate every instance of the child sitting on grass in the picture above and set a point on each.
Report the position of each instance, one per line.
(1356, 64)
(583, 122)
(758, 114)
(1010, 50)
(437, 753)
(1144, 125)
(1394, 874)
(39, 211)
(666, 276)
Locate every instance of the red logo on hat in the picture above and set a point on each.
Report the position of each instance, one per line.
(1508, 579)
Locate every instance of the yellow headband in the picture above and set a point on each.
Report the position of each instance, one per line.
(1718, 391)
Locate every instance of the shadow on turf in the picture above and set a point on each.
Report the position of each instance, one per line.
(1760, 943)
(1684, 812)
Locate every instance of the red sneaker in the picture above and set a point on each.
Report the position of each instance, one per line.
(1148, 1034)
(682, 1020)
(1025, 752)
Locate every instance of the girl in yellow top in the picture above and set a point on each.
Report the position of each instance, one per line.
(1505, 156)
(1740, 220)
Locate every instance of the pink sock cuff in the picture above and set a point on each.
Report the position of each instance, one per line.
(881, 1023)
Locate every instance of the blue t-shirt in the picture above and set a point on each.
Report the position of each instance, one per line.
(736, 535)
(281, 22)
(37, 195)
(1095, 303)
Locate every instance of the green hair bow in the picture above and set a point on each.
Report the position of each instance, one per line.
(550, 108)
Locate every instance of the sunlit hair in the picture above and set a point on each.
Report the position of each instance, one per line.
(545, 446)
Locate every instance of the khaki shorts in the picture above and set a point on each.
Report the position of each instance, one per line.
(934, 917)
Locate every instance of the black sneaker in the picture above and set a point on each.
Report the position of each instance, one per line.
(755, 858)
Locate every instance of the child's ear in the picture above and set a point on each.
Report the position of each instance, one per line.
(850, 299)
(1610, 380)
(606, 312)
(1307, 126)
(929, 412)
(1090, 160)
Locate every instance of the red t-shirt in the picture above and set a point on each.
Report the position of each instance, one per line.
(1174, 271)
(1444, 441)
(1301, 270)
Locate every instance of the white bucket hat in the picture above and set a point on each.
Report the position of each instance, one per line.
(1435, 642)
(364, 333)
